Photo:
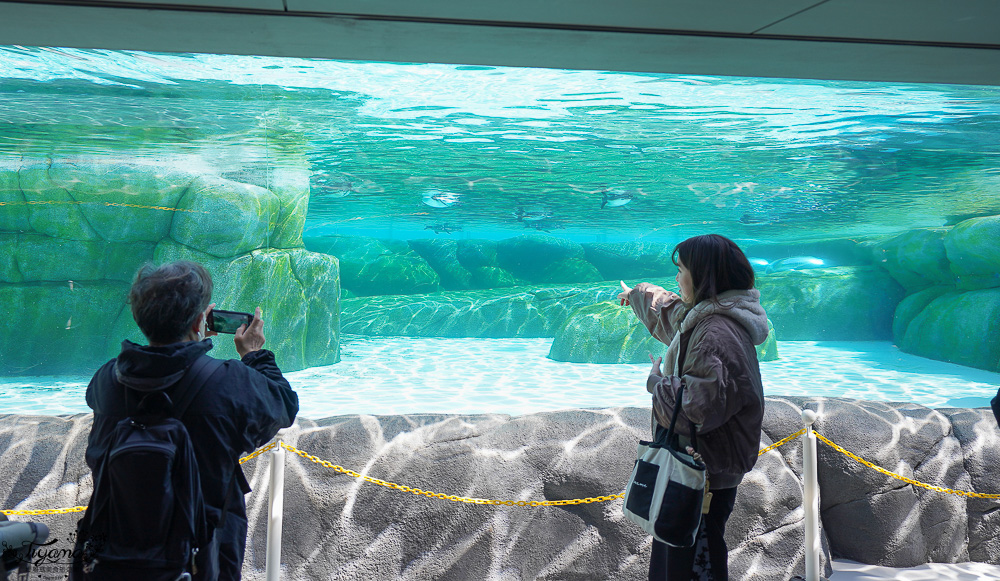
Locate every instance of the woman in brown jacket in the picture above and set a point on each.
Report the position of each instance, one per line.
(711, 330)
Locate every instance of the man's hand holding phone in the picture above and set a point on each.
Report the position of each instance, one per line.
(250, 338)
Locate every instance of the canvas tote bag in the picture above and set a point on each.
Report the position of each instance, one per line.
(666, 492)
(664, 496)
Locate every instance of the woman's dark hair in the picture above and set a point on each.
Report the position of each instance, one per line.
(716, 265)
(167, 300)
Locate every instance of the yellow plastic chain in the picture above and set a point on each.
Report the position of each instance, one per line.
(113, 204)
(451, 497)
(781, 442)
(44, 511)
(259, 451)
(486, 501)
(857, 458)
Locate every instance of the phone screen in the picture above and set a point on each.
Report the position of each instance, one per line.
(227, 321)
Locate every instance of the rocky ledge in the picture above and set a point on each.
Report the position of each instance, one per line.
(337, 527)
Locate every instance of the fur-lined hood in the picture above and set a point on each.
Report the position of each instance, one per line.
(743, 306)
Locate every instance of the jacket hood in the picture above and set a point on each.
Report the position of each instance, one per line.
(149, 368)
(743, 306)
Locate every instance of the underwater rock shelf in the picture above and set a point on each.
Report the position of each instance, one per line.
(340, 528)
(935, 292)
(73, 234)
(834, 304)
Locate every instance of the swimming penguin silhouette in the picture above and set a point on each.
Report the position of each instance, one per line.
(531, 213)
(440, 199)
(615, 197)
(443, 228)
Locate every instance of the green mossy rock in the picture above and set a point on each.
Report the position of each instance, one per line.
(571, 270)
(848, 303)
(291, 186)
(320, 279)
(911, 306)
(516, 312)
(370, 266)
(8, 258)
(396, 274)
(265, 278)
(631, 261)
(530, 257)
(477, 253)
(442, 256)
(53, 211)
(68, 327)
(352, 252)
(768, 350)
(15, 215)
(123, 328)
(490, 277)
(974, 251)
(43, 258)
(917, 259)
(603, 333)
(609, 333)
(958, 327)
(122, 202)
(224, 218)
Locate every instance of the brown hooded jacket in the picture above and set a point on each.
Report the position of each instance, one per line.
(723, 395)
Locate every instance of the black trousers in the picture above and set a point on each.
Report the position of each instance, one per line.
(223, 559)
(708, 559)
(234, 542)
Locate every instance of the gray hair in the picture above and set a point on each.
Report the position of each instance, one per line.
(167, 300)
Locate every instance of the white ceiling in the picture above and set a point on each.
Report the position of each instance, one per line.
(951, 41)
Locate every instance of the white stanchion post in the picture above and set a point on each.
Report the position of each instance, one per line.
(275, 508)
(810, 496)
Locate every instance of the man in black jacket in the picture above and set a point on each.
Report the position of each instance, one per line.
(242, 406)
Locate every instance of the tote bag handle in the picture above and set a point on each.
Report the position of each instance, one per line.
(679, 402)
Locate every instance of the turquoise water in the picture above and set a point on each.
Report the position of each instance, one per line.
(764, 159)
(475, 187)
(406, 375)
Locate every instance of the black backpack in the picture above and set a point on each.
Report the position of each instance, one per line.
(146, 517)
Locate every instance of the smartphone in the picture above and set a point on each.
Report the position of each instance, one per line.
(227, 321)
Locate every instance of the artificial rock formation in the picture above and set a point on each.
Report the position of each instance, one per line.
(607, 333)
(952, 278)
(535, 311)
(339, 527)
(846, 303)
(73, 234)
(815, 304)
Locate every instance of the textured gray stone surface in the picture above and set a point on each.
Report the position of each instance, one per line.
(872, 518)
(338, 527)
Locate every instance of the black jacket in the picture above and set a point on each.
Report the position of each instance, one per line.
(241, 408)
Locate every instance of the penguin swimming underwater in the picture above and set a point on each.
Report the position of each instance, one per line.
(443, 228)
(440, 199)
(531, 213)
(615, 197)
